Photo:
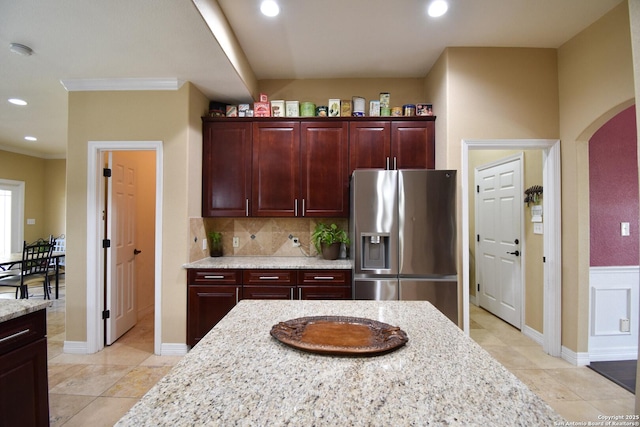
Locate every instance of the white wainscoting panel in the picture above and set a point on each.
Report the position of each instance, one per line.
(614, 295)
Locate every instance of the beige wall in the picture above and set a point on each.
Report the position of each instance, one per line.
(44, 192)
(492, 93)
(595, 74)
(168, 116)
(533, 243)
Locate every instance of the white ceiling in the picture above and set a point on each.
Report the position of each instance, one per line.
(90, 39)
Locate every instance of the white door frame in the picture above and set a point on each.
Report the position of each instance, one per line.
(551, 182)
(95, 267)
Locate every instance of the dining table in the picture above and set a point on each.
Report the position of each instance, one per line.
(14, 260)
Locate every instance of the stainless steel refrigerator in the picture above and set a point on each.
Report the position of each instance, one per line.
(403, 236)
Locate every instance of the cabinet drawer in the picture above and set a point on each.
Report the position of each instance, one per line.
(22, 330)
(215, 277)
(269, 277)
(268, 292)
(324, 277)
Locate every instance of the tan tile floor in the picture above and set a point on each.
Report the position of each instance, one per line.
(575, 392)
(97, 389)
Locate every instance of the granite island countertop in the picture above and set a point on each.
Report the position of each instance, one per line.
(12, 308)
(270, 262)
(239, 375)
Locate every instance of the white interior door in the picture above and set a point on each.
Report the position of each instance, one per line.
(121, 289)
(499, 243)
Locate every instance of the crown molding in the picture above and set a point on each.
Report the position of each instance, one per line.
(86, 85)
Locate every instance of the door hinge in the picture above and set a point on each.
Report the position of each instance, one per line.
(478, 237)
(106, 172)
(478, 189)
(544, 259)
(106, 243)
(106, 314)
(478, 287)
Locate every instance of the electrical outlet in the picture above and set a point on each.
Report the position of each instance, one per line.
(204, 244)
(624, 325)
(236, 242)
(295, 242)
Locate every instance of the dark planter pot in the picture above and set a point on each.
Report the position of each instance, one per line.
(331, 251)
(215, 249)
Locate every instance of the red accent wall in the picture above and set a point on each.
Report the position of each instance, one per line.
(613, 191)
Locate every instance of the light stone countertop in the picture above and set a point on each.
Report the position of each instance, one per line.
(271, 262)
(239, 375)
(12, 308)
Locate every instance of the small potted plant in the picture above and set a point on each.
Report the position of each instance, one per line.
(215, 243)
(327, 240)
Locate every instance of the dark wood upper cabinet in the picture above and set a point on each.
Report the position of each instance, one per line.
(226, 168)
(325, 169)
(413, 145)
(369, 145)
(276, 169)
(297, 167)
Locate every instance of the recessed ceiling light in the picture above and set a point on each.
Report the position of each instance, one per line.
(437, 8)
(20, 49)
(17, 101)
(269, 8)
(30, 138)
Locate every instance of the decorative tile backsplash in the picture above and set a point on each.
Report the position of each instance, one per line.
(258, 236)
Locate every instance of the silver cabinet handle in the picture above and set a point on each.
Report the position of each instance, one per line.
(295, 208)
(237, 294)
(214, 277)
(16, 335)
(299, 293)
(269, 277)
(303, 207)
(387, 164)
(323, 278)
(291, 293)
(246, 207)
(395, 163)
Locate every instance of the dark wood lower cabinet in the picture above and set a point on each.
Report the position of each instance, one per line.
(211, 294)
(24, 392)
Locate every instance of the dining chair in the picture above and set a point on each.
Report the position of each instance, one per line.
(34, 268)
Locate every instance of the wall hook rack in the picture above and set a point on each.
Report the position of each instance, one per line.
(532, 194)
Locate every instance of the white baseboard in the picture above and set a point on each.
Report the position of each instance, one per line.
(620, 353)
(533, 334)
(173, 349)
(577, 359)
(75, 347)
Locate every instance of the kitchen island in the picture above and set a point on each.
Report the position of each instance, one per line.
(239, 375)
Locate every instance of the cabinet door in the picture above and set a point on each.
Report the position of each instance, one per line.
(324, 284)
(413, 145)
(324, 292)
(325, 169)
(369, 145)
(24, 399)
(276, 169)
(268, 292)
(207, 305)
(226, 168)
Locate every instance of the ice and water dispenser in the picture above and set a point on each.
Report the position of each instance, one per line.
(375, 253)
